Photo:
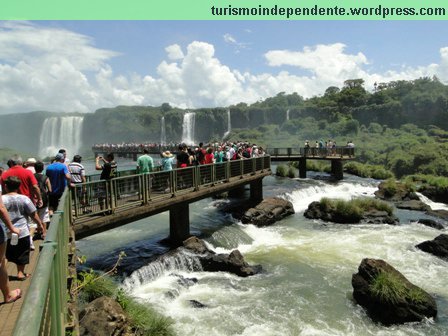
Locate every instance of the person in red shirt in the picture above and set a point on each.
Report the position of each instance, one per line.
(28, 185)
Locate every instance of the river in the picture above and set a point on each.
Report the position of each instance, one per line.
(305, 287)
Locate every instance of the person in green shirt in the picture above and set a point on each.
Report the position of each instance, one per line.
(145, 163)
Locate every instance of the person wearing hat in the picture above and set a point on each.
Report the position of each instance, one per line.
(167, 161)
(59, 177)
(29, 164)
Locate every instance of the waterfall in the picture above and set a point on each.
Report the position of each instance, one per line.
(162, 132)
(182, 261)
(188, 128)
(60, 132)
(287, 114)
(229, 125)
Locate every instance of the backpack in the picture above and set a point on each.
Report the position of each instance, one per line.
(41, 182)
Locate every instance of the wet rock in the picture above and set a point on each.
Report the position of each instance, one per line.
(400, 193)
(317, 210)
(437, 247)
(103, 317)
(431, 223)
(415, 205)
(269, 211)
(232, 263)
(212, 262)
(443, 214)
(434, 194)
(197, 304)
(196, 245)
(388, 297)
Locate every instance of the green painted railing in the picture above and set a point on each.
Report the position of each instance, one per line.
(44, 310)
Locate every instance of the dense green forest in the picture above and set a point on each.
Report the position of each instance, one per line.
(402, 125)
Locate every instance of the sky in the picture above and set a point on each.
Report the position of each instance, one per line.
(80, 66)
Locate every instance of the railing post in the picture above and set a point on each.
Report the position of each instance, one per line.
(254, 165)
(227, 171)
(173, 182)
(241, 168)
(213, 177)
(196, 178)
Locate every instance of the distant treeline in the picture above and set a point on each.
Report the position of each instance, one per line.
(285, 119)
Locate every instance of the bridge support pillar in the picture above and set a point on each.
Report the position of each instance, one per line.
(302, 168)
(337, 169)
(179, 223)
(256, 190)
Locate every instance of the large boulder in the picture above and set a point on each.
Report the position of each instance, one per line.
(432, 223)
(388, 296)
(212, 262)
(399, 192)
(437, 247)
(415, 205)
(103, 317)
(269, 211)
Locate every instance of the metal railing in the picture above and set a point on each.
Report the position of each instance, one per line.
(101, 196)
(312, 152)
(44, 310)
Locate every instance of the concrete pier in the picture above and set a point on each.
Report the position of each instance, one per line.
(179, 223)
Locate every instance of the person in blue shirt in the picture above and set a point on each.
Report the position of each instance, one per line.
(59, 177)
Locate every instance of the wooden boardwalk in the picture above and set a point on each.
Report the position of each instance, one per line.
(10, 312)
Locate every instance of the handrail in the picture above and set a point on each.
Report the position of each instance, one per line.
(107, 196)
(310, 152)
(44, 310)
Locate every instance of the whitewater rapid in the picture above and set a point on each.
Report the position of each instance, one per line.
(305, 287)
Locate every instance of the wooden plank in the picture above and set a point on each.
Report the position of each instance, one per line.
(10, 312)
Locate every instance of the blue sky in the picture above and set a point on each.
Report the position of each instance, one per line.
(84, 65)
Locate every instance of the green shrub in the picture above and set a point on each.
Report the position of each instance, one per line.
(348, 209)
(145, 320)
(366, 170)
(354, 208)
(282, 171)
(94, 286)
(389, 288)
(390, 187)
(291, 172)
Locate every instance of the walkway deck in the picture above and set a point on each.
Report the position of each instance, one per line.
(10, 312)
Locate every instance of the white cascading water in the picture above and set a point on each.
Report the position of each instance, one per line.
(305, 287)
(182, 261)
(287, 114)
(188, 128)
(162, 131)
(229, 125)
(61, 132)
(432, 205)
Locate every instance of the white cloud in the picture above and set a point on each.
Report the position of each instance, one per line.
(53, 69)
(229, 38)
(174, 52)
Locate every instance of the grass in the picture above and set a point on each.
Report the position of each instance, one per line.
(390, 288)
(144, 319)
(282, 170)
(439, 182)
(354, 209)
(366, 170)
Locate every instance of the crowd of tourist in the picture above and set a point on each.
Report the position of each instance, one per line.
(30, 195)
(28, 198)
